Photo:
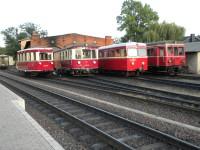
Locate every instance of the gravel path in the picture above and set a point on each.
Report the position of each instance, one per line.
(58, 133)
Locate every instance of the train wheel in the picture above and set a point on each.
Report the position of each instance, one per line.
(137, 73)
(127, 74)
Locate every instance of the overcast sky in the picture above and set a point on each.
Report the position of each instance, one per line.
(91, 17)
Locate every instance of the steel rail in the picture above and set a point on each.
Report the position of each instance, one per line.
(149, 131)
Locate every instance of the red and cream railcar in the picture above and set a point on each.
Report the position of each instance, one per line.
(127, 58)
(166, 56)
(34, 61)
(76, 60)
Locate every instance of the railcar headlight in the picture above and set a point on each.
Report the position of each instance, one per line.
(169, 60)
(79, 62)
(132, 63)
(94, 62)
(52, 63)
(143, 63)
(40, 63)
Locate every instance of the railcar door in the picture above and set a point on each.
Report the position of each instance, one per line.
(170, 56)
(179, 56)
(161, 58)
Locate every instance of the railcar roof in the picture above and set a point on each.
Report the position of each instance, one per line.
(123, 45)
(31, 49)
(166, 43)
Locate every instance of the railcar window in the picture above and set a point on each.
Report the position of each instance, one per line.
(20, 57)
(63, 55)
(24, 57)
(34, 56)
(132, 52)
(101, 54)
(117, 53)
(28, 57)
(151, 52)
(170, 51)
(94, 54)
(175, 51)
(122, 52)
(111, 53)
(180, 51)
(66, 54)
(45, 56)
(69, 54)
(49, 56)
(86, 53)
(106, 54)
(78, 53)
(162, 52)
(142, 52)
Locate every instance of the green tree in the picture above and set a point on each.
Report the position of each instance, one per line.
(135, 19)
(28, 28)
(2, 50)
(164, 31)
(13, 34)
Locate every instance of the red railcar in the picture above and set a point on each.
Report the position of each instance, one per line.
(127, 58)
(166, 56)
(76, 60)
(34, 61)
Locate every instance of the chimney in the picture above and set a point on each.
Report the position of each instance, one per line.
(35, 39)
(192, 37)
(108, 40)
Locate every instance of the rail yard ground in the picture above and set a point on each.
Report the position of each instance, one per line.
(171, 108)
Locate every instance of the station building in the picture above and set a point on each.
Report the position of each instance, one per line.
(66, 40)
(192, 45)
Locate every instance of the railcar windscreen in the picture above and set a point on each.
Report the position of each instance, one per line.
(132, 52)
(45, 56)
(87, 53)
(142, 52)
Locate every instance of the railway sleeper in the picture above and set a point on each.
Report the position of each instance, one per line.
(99, 146)
(94, 119)
(59, 120)
(120, 135)
(104, 124)
(116, 130)
(88, 139)
(76, 132)
(130, 137)
(155, 146)
(52, 115)
(65, 124)
(75, 111)
(83, 115)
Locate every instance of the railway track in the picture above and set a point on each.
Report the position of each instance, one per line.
(170, 82)
(189, 76)
(132, 91)
(115, 132)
